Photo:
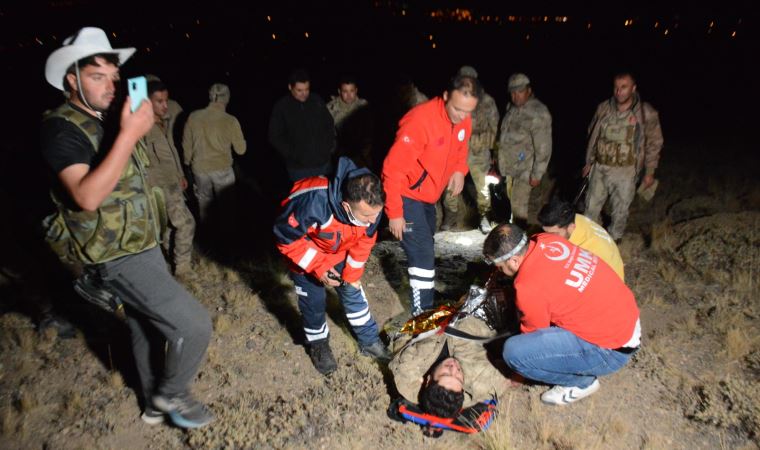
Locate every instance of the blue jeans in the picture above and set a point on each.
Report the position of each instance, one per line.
(557, 356)
(419, 245)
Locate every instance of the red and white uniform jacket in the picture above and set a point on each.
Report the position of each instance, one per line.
(427, 151)
(314, 233)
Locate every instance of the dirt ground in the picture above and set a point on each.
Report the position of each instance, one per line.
(692, 259)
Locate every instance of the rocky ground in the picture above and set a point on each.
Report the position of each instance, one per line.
(692, 258)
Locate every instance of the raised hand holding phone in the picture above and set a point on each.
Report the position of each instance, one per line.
(138, 91)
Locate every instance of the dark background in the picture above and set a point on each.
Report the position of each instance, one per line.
(698, 76)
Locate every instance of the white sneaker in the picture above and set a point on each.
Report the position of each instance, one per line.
(561, 395)
(485, 225)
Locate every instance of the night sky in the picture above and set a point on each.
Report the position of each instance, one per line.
(692, 63)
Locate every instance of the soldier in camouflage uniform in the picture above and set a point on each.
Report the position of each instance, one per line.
(165, 171)
(353, 123)
(109, 219)
(624, 138)
(525, 144)
(485, 124)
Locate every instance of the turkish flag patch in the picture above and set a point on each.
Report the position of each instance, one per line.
(292, 220)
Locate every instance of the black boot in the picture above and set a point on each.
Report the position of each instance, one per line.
(322, 357)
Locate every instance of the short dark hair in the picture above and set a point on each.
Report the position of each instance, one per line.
(557, 213)
(624, 74)
(502, 240)
(111, 58)
(367, 187)
(156, 86)
(441, 402)
(466, 85)
(298, 76)
(347, 79)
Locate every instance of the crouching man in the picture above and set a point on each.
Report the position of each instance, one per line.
(326, 231)
(579, 320)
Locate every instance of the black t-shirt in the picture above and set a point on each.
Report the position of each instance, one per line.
(64, 144)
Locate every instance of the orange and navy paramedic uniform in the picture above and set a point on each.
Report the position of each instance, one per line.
(428, 149)
(314, 234)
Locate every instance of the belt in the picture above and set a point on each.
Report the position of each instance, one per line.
(626, 350)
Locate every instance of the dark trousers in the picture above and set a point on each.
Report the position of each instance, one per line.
(157, 302)
(418, 244)
(312, 304)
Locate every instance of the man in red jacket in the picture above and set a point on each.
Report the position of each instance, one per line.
(579, 319)
(326, 231)
(428, 156)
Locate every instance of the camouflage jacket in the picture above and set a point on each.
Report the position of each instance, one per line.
(339, 110)
(525, 140)
(128, 221)
(165, 168)
(485, 125)
(648, 138)
(413, 359)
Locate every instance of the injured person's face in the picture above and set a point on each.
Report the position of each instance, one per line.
(448, 374)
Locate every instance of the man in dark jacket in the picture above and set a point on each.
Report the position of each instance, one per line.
(326, 231)
(302, 130)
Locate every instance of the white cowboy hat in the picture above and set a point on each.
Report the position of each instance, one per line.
(86, 42)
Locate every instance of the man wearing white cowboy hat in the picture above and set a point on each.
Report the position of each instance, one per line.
(108, 220)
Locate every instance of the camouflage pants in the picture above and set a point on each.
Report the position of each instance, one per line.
(518, 192)
(178, 236)
(210, 186)
(479, 162)
(617, 183)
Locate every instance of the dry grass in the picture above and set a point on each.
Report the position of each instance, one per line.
(26, 402)
(115, 380)
(222, 323)
(26, 339)
(7, 421)
(73, 404)
(499, 435)
(663, 237)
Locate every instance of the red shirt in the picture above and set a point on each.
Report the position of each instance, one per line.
(427, 151)
(561, 284)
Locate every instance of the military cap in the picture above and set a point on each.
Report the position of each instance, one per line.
(517, 82)
(468, 71)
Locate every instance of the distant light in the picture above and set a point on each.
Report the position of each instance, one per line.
(666, 32)
(113, 33)
(269, 18)
(274, 36)
(588, 26)
(306, 34)
(430, 37)
(657, 24)
(712, 23)
(546, 18)
(733, 34)
(403, 12)
(187, 35)
(38, 40)
(197, 21)
(527, 37)
(147, 49)
(434, 45)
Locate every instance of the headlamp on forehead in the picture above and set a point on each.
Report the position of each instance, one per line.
(509, 254)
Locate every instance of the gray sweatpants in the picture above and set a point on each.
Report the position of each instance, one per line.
(158, 307)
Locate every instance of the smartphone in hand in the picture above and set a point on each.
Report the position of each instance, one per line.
(138, 91)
